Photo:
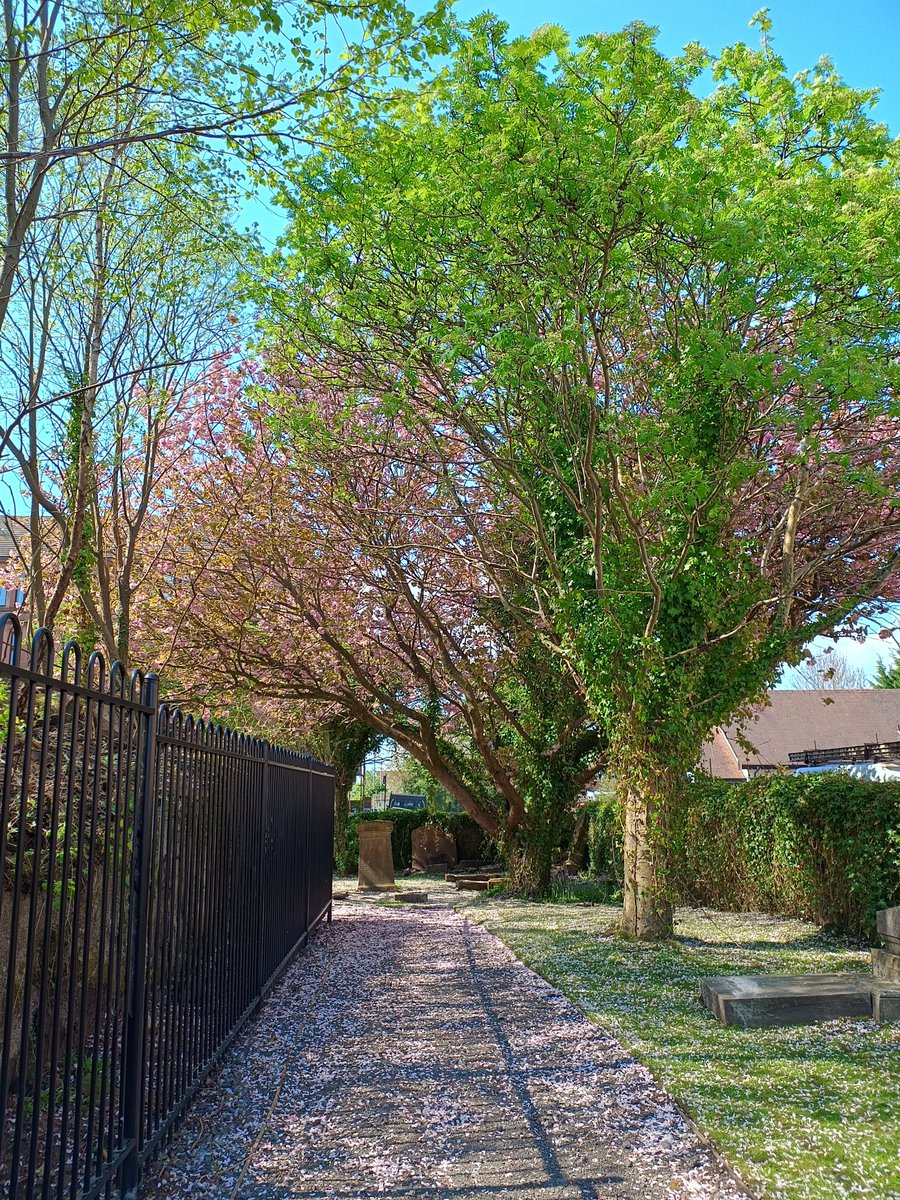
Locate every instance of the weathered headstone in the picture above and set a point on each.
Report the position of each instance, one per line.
(886, 963)
(376, 859)
(432, 846)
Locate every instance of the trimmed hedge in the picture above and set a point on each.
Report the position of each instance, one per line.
(823, 847)
(471, 840)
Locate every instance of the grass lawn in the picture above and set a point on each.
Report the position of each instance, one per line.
(806, 1112)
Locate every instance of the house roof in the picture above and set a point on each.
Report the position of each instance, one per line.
(803, 720)
(719, 759)
(13, 530)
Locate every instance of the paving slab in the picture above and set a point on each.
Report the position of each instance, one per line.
(408, 1053)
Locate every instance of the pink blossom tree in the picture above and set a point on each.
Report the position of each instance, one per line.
(325, 559)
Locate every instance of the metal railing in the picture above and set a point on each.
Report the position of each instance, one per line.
(158, 875)
(866, 752)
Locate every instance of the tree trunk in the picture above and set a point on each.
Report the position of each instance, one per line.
(528, 863)
(575, 857)
(647, 911)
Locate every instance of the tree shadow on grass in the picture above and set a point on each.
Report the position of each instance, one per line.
(812, 941)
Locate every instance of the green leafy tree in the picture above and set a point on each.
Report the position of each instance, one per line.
(122, 306)
(417, 780)
(125, 135)
(83, 81)
(887, 674)
(666, 327)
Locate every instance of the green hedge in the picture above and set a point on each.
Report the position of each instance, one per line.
(824, 847)
(471, 840)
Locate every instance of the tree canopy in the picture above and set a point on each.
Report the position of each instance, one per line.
(573, 413)
(327, 561)
(666, 326)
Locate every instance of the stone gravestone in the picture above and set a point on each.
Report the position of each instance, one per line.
(432, 847)
(886, 963)
(376, 859)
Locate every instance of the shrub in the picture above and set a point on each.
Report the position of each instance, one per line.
(822, 847)
(471, 840)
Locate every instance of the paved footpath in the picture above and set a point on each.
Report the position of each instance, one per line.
(408, 1053)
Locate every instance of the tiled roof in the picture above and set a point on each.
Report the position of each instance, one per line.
(719, 760)
(12, 531)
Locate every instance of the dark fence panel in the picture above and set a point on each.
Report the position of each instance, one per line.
(158, 874)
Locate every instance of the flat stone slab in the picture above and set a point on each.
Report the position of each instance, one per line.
(411, 897)
(756, 1001)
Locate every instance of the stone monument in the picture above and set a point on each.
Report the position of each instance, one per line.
(376, 859)
(432, 847)
(886, 963)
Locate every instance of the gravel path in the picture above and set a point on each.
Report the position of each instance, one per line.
(408, 1053)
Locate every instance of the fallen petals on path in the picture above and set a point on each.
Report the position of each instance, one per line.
(410, 1054)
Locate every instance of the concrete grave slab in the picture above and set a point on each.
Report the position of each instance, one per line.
(752, 1001)
(756, 1001)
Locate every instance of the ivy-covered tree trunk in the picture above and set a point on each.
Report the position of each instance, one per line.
(549, 818)
(342, 787)
(578, 844)
(529, 861)
(648, 786)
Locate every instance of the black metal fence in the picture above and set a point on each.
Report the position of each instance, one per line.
(158, 875)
